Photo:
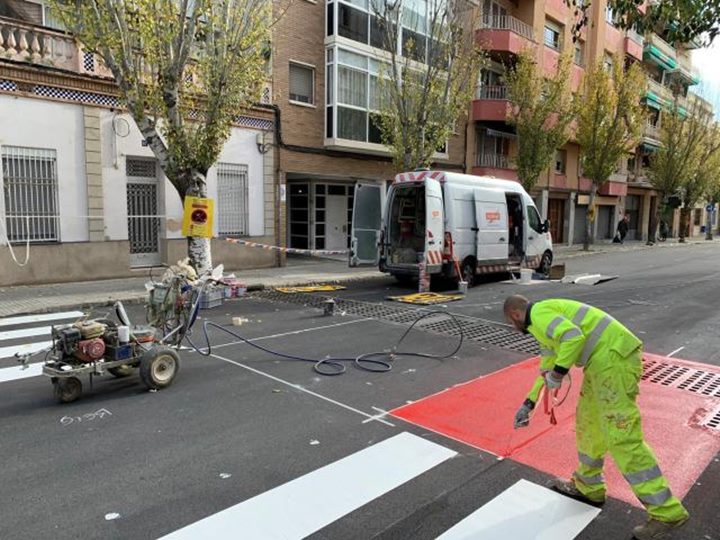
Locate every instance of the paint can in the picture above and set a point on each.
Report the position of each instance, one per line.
(123, 334)
(462, 287)
(526, 275)
(329, 307)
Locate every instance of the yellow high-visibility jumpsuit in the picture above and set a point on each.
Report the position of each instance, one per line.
(607, 418)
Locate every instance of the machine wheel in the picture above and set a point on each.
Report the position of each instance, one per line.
(469, 271)
(121, 371)
(545, 263)
(67, 389)
(158, 368)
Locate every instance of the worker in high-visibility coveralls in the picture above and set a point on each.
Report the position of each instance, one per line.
(571, 334)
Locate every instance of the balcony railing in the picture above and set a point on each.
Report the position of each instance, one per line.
(634, 36)
(491, 91)
(41, 46)
(507, 22)
(662, 45)
(494, 161)
(652, 131)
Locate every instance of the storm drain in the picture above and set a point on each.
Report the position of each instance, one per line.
(473, 329)
(712, 420)
(697, 381)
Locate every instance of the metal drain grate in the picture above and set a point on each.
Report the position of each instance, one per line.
(697, 381)
(712, 421)
(473, 329)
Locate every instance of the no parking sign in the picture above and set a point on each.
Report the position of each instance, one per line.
(198, 217)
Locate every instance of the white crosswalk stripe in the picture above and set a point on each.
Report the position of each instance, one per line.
(28, 334)
(291, 510)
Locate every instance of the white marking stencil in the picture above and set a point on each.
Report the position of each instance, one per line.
(27, 348)
(525, 510)
(25, 332)
(17, 372)
(43, 317)
(309, 503)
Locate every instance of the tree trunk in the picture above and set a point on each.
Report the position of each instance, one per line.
(682, 233)
(655, 218)
(589, 221)
(199, 251)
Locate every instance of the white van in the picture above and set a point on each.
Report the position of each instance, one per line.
(485, 224)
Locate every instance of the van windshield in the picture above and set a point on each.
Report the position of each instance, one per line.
(406, 226)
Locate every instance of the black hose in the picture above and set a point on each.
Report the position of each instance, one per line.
(374, 362)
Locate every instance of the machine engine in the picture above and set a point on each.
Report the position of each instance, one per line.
(84, 341)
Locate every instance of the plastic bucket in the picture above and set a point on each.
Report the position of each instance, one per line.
(526, 275)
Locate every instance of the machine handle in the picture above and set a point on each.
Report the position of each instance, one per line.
(474, 229)
(501, 240)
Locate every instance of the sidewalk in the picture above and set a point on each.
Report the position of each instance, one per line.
(299, 271)
(20, 300)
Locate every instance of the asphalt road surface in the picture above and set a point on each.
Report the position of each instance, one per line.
(249, 445)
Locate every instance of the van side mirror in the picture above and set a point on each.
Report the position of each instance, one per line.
(546, 226)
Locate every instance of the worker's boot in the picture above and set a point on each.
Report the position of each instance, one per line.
(569, 489)
(654, 529)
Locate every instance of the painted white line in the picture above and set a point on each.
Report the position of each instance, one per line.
(675, 352)
(309, 503)
(16, 373)
(26, 348)
(43, 317)
(525, 510)
(298, 387)
(292, 333)
(25, 333)
(382, 414)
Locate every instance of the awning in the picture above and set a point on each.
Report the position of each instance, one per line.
(500, 134)
(649, 146)
(654, 101)
(661, 59)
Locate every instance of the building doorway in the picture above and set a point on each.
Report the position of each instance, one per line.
(142, 212)
(632, 210)
(605, 222)
(336, 230)
(556, 215)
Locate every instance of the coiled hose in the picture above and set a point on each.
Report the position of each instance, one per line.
(375, 362)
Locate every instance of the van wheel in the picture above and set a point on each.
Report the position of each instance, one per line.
(545, 263)
(468, 269)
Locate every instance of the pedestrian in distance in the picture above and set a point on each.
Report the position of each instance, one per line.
(622, 230)
(607, 418)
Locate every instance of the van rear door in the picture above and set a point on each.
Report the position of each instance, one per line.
(491, 220)
(368, 208)
(434, 225)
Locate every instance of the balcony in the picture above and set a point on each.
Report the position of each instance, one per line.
(496, 165)
(685, 72)
(633, 45)
(660, 52)
(651, 131)
(659, 95)
(491, 103)
(44, 47)
(504, 34)
(612, 188)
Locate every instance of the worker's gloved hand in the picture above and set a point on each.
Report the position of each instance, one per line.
(553, 380)
(522, 417)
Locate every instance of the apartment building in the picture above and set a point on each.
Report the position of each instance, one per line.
(563, 192)
(79, 183)
(326, 55)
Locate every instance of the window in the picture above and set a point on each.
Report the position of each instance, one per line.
(352, 23)
(534, 219)
(552, 35)
(579, 58)
(30, 190)
(698, 217)
(560, 160)
(608, 63)
(232, 186)
(609, 16)
(357, 96)
(302, 84)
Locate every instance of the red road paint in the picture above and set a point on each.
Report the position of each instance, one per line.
(481, 412)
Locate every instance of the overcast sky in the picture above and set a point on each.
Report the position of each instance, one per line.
(707, 62)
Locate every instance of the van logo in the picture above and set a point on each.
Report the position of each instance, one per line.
(436, 213)
(490, 217)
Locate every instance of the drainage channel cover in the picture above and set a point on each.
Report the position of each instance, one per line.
(473, 329)
(690, 379)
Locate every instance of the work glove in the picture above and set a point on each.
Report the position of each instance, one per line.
(553, 380)
(522, 417)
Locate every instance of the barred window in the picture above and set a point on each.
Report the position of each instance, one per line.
(30, 193)
(232, 182)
